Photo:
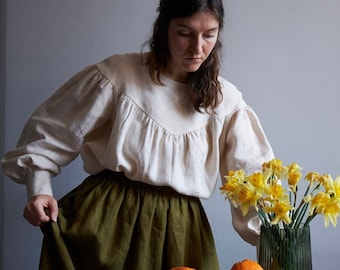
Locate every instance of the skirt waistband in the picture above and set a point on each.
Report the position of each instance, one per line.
(120, 177)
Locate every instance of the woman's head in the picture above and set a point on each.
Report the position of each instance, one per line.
(174, 9)
(199, 17)
(190, 42)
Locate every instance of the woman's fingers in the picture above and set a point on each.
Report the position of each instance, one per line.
(41, 209)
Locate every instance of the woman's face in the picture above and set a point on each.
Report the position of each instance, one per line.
(190, 41)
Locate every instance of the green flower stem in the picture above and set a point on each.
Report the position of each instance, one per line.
(309, 219)
(300, 215)
(263, 217)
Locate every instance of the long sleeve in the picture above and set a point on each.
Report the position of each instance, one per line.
(248, 227)
(245, 143)
(54, 133)
(246, 147)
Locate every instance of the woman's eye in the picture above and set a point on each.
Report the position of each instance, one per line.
(209, 36)
(183, 34)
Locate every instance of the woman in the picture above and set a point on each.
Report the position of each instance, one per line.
(154, 130)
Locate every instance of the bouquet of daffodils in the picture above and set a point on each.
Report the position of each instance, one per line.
(274, 194)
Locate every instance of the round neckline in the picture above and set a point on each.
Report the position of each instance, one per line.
(165, 78)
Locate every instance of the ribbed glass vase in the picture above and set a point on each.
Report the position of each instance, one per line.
(285, 249)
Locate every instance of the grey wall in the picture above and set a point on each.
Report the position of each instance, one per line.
(2, 113)
(284, 55)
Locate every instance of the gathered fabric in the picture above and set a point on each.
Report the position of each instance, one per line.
(115, 117)
(112, 222)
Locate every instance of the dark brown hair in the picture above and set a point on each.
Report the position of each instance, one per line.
(203, 84)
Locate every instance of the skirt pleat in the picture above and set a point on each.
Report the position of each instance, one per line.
(111, 222)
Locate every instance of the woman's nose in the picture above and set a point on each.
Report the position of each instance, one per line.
(196, 45)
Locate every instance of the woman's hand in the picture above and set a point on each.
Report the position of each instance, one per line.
(41, 209)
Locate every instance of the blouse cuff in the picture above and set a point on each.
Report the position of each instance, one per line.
(39, 182)
(248, 227)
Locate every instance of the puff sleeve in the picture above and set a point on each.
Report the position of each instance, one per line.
(246, 147)
(53, 135)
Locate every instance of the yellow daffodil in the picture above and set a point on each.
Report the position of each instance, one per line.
(274, 168)
(318, 202)
(230, 186)
(248, 196)
(294, 175)
(333, 187)
(273, 165)
(327, 181)
(330, 213)
(276, 192)
(337, 187)
(240, 175)
(257, 180)
(273, 193)
(312, 177)
(281, 212)
(233, 181)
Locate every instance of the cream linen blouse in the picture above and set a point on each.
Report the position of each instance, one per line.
(117, 118)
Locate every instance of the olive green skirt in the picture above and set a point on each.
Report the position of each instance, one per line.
(111, 222)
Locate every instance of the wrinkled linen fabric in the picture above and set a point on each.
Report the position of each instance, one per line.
(117, 118)
(111, 222)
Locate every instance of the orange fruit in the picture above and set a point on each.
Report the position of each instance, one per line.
(246, 264)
